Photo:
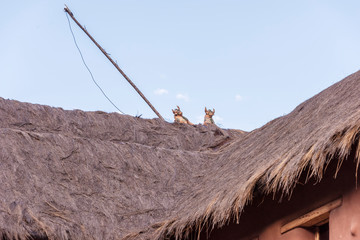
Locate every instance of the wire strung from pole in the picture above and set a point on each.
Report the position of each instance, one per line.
(68, 11)
(82, 58)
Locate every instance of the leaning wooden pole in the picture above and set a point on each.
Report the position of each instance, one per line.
(67, 10)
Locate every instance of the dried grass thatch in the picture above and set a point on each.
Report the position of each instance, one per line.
(78, 175)
(71, 174)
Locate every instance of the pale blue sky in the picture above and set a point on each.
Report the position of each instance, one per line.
(252, 61)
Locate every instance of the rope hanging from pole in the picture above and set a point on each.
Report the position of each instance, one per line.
(68, 11)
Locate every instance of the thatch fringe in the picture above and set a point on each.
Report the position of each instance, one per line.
(276, 182)
(330, 136)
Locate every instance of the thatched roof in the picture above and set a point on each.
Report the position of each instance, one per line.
(93, 175)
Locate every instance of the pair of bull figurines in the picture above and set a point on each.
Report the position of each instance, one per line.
(179, 118)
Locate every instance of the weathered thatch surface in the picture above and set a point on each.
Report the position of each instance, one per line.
(78, 175)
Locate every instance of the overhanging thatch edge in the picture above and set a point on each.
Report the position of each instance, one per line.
(316, 159)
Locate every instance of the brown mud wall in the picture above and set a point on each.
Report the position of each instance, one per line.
(345, 220)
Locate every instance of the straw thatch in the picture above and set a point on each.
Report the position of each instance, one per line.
(93, 175)
(71, 174)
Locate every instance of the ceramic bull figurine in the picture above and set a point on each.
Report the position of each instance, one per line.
(208, 116)
(178, 116)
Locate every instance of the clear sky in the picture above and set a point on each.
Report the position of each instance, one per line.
(252, 61)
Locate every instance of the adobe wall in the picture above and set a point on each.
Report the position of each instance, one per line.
(273, 233)
(264, 217)
(345, 220)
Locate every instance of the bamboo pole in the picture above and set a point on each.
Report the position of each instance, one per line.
(68, 11)
(317, 233)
